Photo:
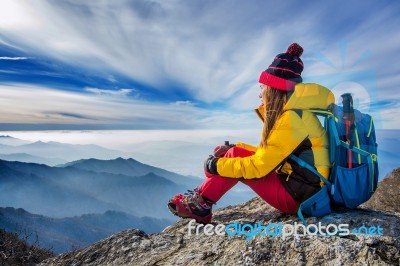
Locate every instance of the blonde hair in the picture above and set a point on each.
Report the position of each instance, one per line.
(274, 100)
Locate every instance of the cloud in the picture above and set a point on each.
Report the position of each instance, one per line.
(13, 58)
(204, 52)
(69, 115)
(33, 105)
(9, 45)
(160, 44)
(184, 103)
(113, 93)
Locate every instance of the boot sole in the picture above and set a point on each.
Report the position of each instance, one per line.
(198, 220)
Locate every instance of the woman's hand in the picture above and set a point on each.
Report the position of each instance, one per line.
(210, 166)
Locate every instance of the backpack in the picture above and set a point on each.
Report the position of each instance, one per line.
(353, 156)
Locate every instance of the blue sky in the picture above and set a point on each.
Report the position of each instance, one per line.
(185, 64)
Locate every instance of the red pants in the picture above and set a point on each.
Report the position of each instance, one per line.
(269, 188)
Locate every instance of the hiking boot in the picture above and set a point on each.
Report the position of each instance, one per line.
(191, 205)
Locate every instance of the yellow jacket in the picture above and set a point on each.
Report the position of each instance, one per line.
(297, 131)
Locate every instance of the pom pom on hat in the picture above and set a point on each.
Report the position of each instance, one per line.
(295, 49)
(285, 71)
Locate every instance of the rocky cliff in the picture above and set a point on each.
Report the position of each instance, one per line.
(373, 239)
(387, 196)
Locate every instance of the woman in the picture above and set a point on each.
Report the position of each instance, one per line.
(289, 128)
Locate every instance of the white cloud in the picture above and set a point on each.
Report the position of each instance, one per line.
(5, 43)
(213, 50)
(113, 93)
(184, 103)
(21, 104)
(13, 58)
(212, 54)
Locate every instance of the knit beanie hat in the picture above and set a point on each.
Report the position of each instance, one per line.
(285, 71)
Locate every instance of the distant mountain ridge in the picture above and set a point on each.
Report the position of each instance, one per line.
(68, 152)
(66, 234)
(27, 158)
(130, 189)
(131, 167)
(69, 191)
(11, 141)
(39, 194)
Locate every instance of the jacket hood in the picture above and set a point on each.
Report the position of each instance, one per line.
(310, 96)
(305, 96)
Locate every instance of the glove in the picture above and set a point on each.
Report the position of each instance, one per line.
(220, 150)
(210, 165)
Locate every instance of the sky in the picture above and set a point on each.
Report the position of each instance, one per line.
(175, 64)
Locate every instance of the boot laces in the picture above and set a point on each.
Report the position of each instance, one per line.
(194, 197)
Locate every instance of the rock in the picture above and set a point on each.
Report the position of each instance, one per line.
(387, 196)
(174, 246)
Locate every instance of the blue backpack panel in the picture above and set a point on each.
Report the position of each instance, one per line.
(354, 166)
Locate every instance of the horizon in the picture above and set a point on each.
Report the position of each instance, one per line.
(183, 142)
(123, 137)
(147, 135)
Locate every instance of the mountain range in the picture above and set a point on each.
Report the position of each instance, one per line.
(66, 234)
(66, 152)
(78, 203)
(130, 167)
(75, 204)
(11, 141)
(24, 157)
(90, 186)
(177, 156)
